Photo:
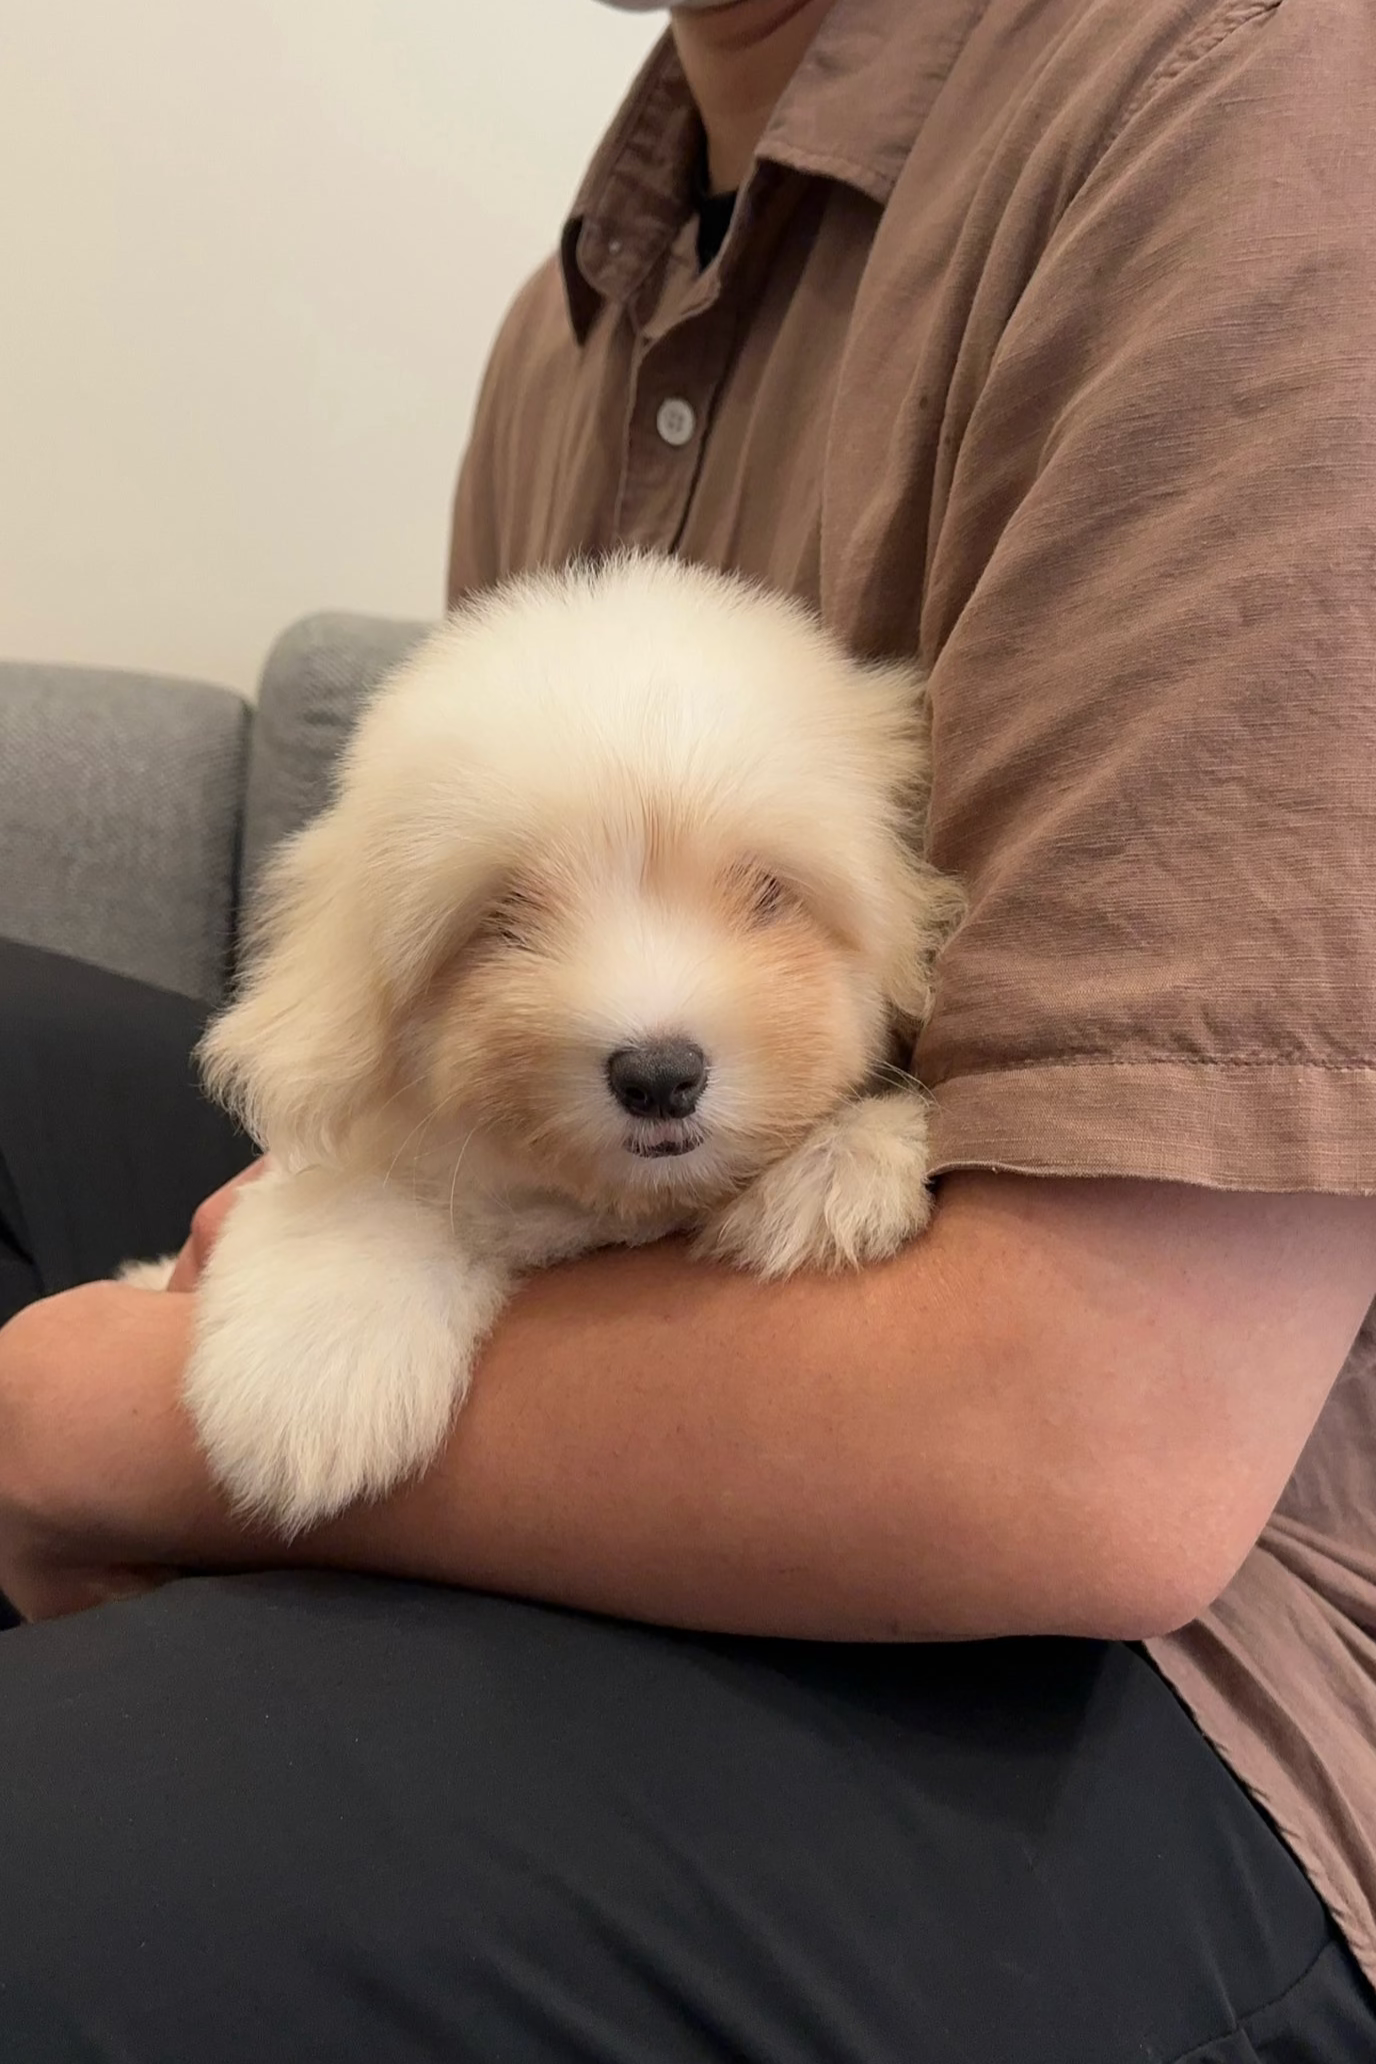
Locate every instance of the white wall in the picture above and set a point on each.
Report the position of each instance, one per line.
(252, 254)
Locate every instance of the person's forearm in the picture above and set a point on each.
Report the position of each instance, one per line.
(837, 1457)
(834, 1458)
(714, 1454)
(1068, 1408)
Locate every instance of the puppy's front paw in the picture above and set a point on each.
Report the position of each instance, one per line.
(299, 1420)
(854, 1192)
(334, 1342)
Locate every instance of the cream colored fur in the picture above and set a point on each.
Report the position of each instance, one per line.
(595, 809)
(148, 1275)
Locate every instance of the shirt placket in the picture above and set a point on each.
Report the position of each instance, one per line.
(680, 358)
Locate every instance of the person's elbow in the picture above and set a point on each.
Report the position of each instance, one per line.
(1145, 1550)
(1137, 1368)
(1075, 1523)
(1137, 1587)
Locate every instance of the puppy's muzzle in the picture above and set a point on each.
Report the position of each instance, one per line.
(658, 1081)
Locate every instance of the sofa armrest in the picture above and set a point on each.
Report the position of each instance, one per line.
(317, 679)
(120, 804)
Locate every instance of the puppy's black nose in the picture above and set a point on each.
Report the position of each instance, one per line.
(662, 1079)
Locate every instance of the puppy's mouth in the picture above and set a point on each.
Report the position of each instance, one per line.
(663, 1142)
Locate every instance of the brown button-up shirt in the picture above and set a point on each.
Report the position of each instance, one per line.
(1043, 345)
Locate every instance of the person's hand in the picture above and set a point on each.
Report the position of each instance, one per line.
(103, 1491)
(206, 1224)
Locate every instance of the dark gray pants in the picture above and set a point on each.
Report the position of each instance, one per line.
(276, 1820)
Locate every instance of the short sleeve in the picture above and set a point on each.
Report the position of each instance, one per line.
(1153, 600)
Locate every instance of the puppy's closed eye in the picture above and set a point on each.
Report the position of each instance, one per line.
(515, 919)
(764, 897)
(770, 899)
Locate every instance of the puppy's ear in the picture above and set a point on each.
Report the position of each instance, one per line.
(305, 1046)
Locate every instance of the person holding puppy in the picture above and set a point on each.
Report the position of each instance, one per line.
(972, 1657)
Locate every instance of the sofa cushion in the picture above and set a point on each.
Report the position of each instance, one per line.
(120, 802)
(317, 678)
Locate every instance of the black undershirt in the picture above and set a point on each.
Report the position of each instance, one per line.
(714, 219)
(714, 211)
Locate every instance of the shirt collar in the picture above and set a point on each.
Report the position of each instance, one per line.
(851, 112)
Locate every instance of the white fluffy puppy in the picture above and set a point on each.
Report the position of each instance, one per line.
(606, 935)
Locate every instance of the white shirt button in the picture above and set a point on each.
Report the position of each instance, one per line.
(676, 420)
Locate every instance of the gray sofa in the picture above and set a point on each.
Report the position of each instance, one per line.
(136, 811)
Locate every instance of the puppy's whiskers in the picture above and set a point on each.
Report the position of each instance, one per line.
(890, 1072)
(402, 1089)
(422, 1126)
(454, 1179)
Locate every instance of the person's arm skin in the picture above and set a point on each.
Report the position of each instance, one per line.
(1069, 1408)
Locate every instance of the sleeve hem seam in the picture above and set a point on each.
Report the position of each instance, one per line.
(1238, 1063)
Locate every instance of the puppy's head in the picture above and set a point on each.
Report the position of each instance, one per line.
(619, 880)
